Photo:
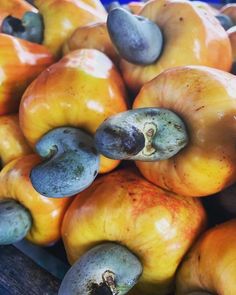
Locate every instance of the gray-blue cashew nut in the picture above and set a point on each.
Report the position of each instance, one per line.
(15, 222)
(146, 134)
(136, 38)
(107, 269)
(30, 28)
(70, 164)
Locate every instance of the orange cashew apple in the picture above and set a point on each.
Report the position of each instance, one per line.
(210, 266)
(12, 141)
(230, 10)
(135, 6)
(232, 37)
(23, 211)
(159, 38)
(181, 131)
(93, 35)
(122, 212)
(20, 62)
(66, 104)
(53, 21)
(62, 17)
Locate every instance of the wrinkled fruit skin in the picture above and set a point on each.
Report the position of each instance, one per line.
(182, 31)
(204, 99)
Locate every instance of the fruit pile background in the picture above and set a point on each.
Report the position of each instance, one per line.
(117, 147)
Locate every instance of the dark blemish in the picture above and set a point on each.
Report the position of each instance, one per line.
(82, 145)
(79, 170)
(112, 131)
(15, 24)
(181, 19)
(66, 131)
(177, 127)
(95, 173)
(181, 142)
(9, 208)
(94, 151)
(151, 113)
(199, 258)
(101, 289)
(130, 141)
(199, 108)
(174, 162)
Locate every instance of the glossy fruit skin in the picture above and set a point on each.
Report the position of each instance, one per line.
(12, 141)
(208, 7)
(94, 35)
(135, 6)
(211, 263)
(192, 37)
(232, 37)
(152, 223)
(47, 213)
(16, 8)
(230, 10)
(81, 90)
(205, 99)
(20, 62)
(62, 17)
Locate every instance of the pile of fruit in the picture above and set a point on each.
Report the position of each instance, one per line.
(118, 135)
